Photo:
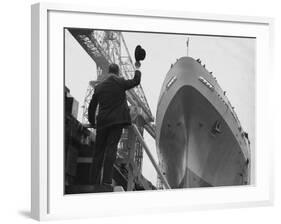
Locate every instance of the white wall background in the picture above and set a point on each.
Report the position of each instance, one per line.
(15, 111)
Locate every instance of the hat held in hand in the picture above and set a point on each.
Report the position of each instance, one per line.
(139, 55)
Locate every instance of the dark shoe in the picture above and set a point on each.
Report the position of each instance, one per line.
(108, 187)
(103, 188)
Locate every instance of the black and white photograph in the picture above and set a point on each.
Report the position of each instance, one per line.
(147, 112)
(156, 111)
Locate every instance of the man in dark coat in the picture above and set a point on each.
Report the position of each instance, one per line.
(113, 116)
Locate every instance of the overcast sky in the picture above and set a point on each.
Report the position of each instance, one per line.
(232, 61)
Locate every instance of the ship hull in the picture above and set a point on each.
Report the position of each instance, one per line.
(196, 138)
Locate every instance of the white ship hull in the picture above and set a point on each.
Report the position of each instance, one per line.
(199, 138)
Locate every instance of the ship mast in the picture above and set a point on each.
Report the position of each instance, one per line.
(187, 47)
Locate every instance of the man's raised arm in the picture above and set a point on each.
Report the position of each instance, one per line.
(130, 83)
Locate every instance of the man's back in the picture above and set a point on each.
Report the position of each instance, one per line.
(111, 97)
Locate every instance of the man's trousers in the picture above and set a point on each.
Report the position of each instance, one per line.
(104, 154)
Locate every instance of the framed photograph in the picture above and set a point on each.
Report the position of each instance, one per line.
(148, 111)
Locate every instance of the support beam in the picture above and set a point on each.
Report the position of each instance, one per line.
(162, 177)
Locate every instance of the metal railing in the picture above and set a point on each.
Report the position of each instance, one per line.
(154, 163)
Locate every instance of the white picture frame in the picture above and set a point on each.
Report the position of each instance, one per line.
(47, 198)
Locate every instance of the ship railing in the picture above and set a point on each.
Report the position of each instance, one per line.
(150, 156)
